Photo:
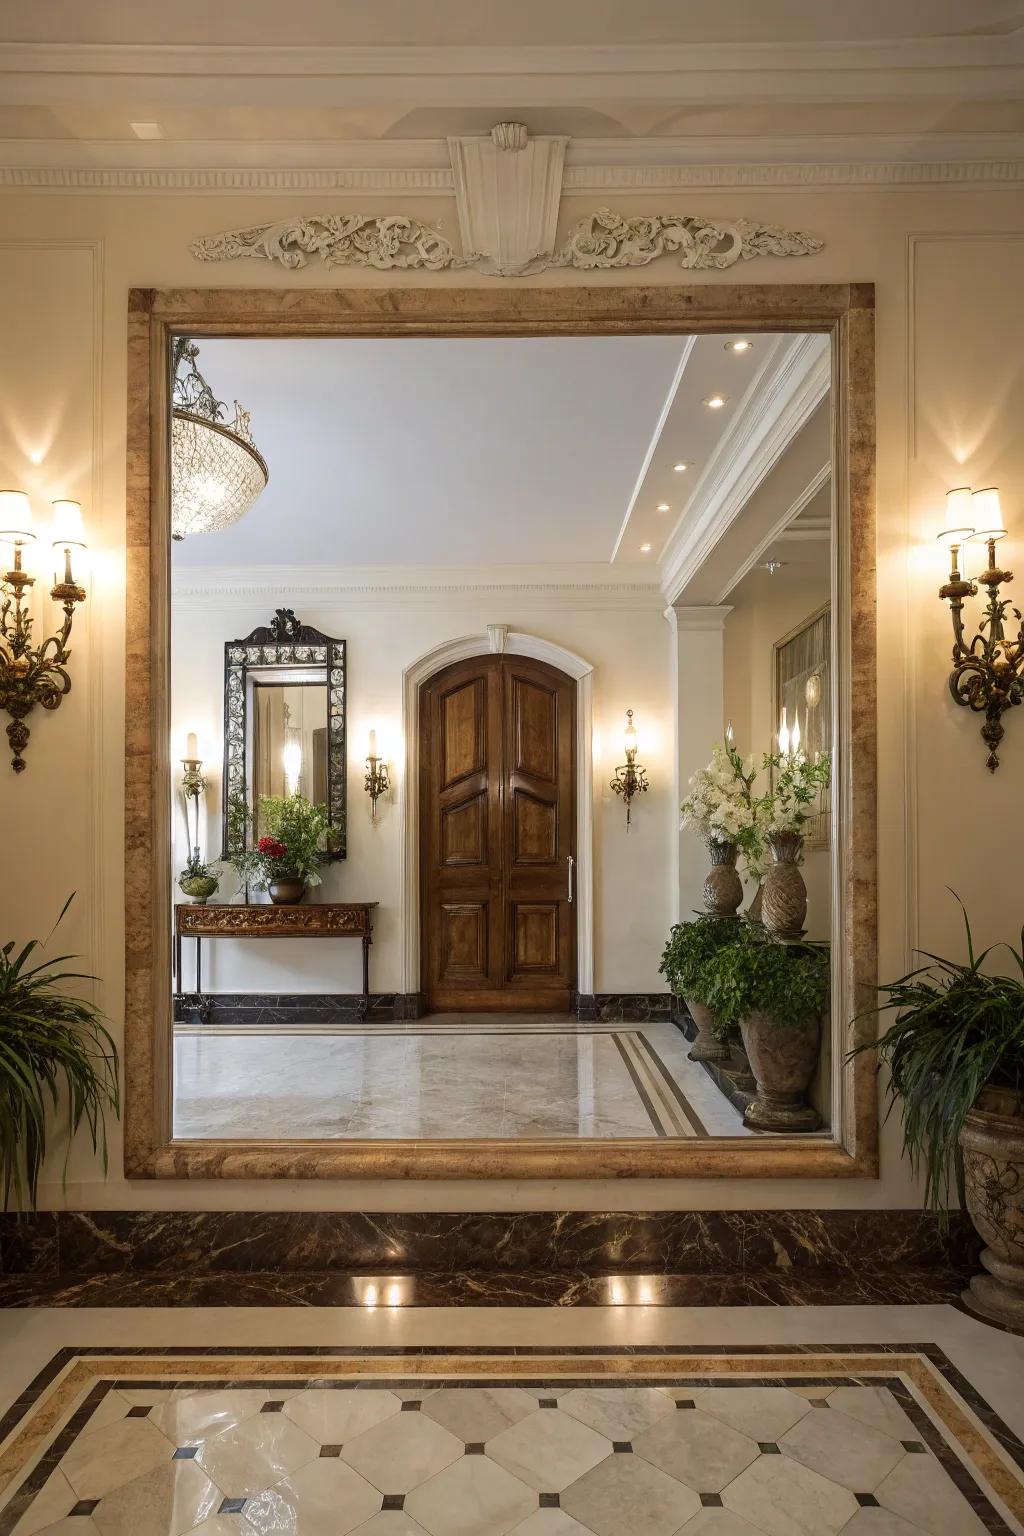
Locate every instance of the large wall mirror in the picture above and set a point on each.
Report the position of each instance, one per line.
(405, 921)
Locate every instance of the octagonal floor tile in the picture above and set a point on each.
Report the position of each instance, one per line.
(333, 1418)
(696, 1449)
(627, 1496)
(474, 1497)
(876, 1407)
(550, 1522)
(621, 1413)
(920, 1491)
(478, 1413)
(255, 1454)
(193, 1417)
(763, 1413)
(323, 1498)
(100, 1462)
(782, 1498)
(842, 1450)
(403, 1452)
(168, 1500)
(548, 1450)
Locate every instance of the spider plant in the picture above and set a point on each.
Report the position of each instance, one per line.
(49, 1041)
(958, 1029)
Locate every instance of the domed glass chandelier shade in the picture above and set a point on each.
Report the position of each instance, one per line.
(217, 472)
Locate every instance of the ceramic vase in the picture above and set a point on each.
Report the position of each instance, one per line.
(993, 1146)
(286, 893)
(784, 895)
(723, 888)
(705, 1047)
(782, 1058)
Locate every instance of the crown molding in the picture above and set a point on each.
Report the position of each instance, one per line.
(776, 407)
(698, 619)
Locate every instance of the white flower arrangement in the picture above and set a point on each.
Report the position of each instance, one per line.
(788, 807)
(720, 806)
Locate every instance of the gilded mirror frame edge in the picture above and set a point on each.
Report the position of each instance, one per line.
(846, 312)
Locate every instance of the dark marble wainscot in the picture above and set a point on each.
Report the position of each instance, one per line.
(284, 1009)
(623, 1007)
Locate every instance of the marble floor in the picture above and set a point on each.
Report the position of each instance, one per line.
(627, 1421)
(453, 1076)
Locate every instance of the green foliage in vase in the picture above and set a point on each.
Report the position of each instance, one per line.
(790, 803)
(297, 826)
(690, 945)
(958, 1028)
(52, 1044)
(196, 868)
(788, 983)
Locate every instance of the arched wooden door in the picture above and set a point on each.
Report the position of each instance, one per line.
(498, 836)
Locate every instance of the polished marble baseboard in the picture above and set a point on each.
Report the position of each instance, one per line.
(624, 1007)
(290, 1008)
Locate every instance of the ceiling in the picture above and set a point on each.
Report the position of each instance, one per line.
(439, 452)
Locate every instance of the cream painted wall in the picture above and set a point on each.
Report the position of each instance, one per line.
(386, 632)
(946, 261)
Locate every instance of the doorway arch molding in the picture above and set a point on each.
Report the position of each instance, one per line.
(497, 638)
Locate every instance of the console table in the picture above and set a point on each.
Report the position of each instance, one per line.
(326, 920)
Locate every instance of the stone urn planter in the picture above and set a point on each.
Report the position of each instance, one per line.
(782, 1058)
(705, 1047)
(199, 887)
(784, 894)
(993, 1146)
(286, 893)
(739, 1067)
(723, 888)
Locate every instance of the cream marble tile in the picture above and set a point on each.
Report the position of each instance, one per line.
(550, 1522)
(324, 1498)
(392, 1522)
(255, 1454)
(77, 1525)
(720, 1522)
(100, 1462)
(224, 1525)
(920, 1491)
(626, 1496)
(880, 1522)
(167, 1501)
(763, 1413)
(53, 1501)
(782, 1498)
(874, 1406)
(839, 1448)
(110, 1410)
(548, 1450)
(620, 1413)
(698, 1450)
(403, 1452)
(478, 1413)
(191, 1418)
(473, 1497)
(333, 1418)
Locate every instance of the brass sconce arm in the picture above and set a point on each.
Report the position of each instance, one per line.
(377, 782)
(31, 675)
(631, 777)
(988, 671)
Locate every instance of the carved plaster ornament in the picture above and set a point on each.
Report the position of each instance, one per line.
(507, 191)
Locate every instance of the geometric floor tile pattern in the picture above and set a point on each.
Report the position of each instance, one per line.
(861, 1440)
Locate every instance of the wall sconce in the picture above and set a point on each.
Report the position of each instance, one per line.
(193, 784)
(986, 675)
(34, 674)
(376, 782)
(630, 778)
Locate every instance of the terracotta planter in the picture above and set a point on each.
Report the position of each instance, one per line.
(723, 888)
(782, 1059)
(286, 893)
(784, 897)
(705, 1047)
(993, 1146)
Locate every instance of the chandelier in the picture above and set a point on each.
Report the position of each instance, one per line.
(217, 472)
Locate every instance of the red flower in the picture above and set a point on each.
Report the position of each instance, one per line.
(272, 848)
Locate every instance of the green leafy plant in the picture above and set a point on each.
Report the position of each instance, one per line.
(788, 983)
(294, 845)
(49, 1042)
(789, 804)
(690, 945)
(196, 868)
(958, 1029)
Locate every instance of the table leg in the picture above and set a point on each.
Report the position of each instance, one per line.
(367, 941)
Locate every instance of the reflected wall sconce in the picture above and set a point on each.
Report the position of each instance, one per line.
(987, 670)
(193, 785)
(630, 778)
(34, 674)
(376, 782)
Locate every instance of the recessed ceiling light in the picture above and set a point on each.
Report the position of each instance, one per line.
(663, 506)
(147, 130)
(645, 549)
(741, 344)
(771, 566)
(680, 467)
(715, 402)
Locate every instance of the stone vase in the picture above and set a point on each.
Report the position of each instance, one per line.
(723, 888)
(739, 1066)
(199, 887)
(286, 893)
(782, 1058)
(705, 1047)
(993, 1146)
(784, 895)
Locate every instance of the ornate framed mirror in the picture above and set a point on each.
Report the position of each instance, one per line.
(284, 723)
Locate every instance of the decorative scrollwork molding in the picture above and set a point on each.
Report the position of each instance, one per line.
(603, 241)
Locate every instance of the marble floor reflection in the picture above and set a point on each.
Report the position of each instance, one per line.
(453, 1076)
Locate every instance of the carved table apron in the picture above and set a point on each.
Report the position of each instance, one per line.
(319, 920)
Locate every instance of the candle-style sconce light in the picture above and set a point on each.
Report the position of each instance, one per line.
(630, 778)
(34, 674)
(987, 670)
(376, 782)
(193, 785)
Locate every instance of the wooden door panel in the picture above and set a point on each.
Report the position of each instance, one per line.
(534, 729)
(535, 946)
(464, 944)
(464, 831)
(534, 829)
(463, 737)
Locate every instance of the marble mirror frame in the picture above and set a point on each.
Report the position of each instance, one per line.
(845, 312)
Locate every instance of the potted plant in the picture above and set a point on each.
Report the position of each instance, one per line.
(291, 851)
(777, 994)
(955, 1055)
(721, 808)
(690, 945)
(198, 879)
(783, 813)
(50, 1042)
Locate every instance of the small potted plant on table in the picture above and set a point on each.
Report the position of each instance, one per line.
(290, 852)
(690, 946)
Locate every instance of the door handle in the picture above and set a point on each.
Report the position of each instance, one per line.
(572, 866)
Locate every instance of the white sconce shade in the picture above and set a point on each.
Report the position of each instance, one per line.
(988, 515)
(192, 747)
(67, 525)
(959, 508)
(16, 518)
(629, 735)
